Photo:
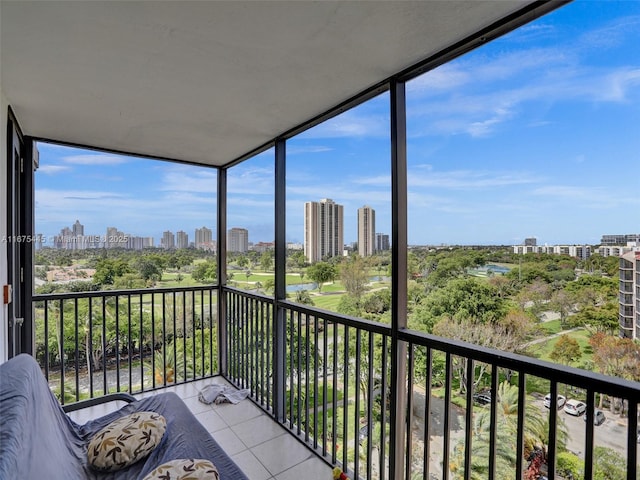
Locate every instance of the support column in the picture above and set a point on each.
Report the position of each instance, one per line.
(280, 281)
(399, 388)
(221, 239)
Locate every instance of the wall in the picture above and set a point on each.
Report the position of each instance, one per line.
(4, 106)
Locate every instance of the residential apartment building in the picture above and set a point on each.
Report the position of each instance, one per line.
(629, 313)
(323, 230)
(168, 240)
(366, 231)
(578, 251)
(182, 239)
(238, 240)
(204, 238)
(608, 240)
(382, 242)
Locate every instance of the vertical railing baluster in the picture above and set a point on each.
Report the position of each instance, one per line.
(468, 432)
(117, 304)
(370, 399)
(175, 337)
(383, 408)
(184, 336)
(632, 435)
(589, 435)
(153, 340)
(447, 416)
(553, 430)
(140, 348)
(105, 384)
(345, 397)
(325, 361)
(316, 367)
(522, 391)
(46, 340)
(129, 345)
(493, 422)
(334, 419)
(426, 464)
(61, 349)
(356, 426)
(409, 386)
(76, 349)
(90, 357)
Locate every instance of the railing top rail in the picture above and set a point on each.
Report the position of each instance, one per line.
(368, 325)
(375, 327)
(617, 387)
(124, 292)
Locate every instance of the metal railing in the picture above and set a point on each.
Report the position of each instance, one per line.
(93, 343)
(471, 412)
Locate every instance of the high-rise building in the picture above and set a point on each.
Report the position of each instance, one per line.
(608, 240)
(168, 240)
(366, 231)
(204, 238)
(238, 240)
(182, 239)
(382, 242)
(531, 241)
(323, 230)
(629, 316)
(78, 229)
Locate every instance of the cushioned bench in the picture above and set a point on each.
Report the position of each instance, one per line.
(39, 441)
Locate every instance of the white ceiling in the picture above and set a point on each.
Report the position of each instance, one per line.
(207, 82)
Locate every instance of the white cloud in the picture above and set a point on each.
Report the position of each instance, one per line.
(96, 159)
(52, 169)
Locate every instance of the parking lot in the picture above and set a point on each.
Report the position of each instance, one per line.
(612, 433)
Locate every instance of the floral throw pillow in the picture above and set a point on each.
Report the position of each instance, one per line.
(185, 469)
(125, 441)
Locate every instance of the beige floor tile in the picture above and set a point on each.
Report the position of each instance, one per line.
(281, 453)
(238, 413)
(211, 421)
(311, 469)
(196, 406)
(229, 441)
(257, 430)
(250, 465)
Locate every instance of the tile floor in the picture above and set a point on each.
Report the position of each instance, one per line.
(263, 449)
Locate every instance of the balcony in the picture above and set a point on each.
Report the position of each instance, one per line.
(187, 85)
(317, 381)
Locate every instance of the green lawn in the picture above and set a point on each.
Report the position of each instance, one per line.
(543, 350)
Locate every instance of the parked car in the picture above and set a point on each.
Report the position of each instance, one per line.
(483, 398)
(598, 417)
(363, 433)
(575, 407)
(561, 400)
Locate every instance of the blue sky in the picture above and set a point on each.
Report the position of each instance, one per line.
(535, 134)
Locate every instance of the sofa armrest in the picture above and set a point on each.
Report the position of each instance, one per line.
(112, 397)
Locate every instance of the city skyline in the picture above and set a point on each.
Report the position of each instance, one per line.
(527, 136)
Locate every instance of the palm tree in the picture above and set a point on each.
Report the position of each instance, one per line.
(535, 434)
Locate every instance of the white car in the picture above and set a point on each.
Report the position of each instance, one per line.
(561, 400)
(575, 407)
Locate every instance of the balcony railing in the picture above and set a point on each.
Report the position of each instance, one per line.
(328, 379)
(93, 343)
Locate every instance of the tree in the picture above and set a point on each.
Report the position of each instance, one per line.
(303, 297)
(108, 269)
(562, 302)
(205, 272)
(483, 334)
(354, 277)
(149, 269)
(321, 272)
(466, 299)
(266, 261)
(566, 350)
(608, 464)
